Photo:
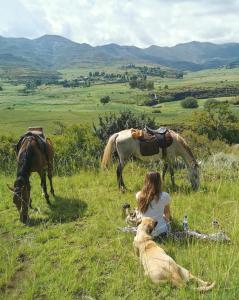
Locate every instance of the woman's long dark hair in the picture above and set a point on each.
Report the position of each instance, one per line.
(152, 187)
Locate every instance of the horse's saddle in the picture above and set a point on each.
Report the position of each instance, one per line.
(38, 135)
(151, 141)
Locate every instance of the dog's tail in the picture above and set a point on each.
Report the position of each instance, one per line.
(206, 287)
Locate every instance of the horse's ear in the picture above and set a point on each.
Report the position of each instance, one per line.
(10, 188)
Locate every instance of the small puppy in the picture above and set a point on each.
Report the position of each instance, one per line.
(157, 264)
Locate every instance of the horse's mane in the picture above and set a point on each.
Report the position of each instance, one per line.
(25, 158)
(186, 147)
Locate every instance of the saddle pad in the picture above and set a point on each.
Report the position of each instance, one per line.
(36, 131)
(149, 147)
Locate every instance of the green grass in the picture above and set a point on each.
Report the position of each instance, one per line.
(74, 250)
(50, 104)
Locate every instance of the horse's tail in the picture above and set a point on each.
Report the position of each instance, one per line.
(109, 148)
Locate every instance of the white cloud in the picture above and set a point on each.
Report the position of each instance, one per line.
(128, 22)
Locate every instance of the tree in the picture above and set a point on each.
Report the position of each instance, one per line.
(189, 102)
(218, 122)
(112, 123)
(105, 99)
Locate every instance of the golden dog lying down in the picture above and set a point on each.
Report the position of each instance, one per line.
(157, 264)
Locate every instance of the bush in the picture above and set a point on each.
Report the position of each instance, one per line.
(189, 102)
(218, 122)
(201, 146)
(75, 148)
(210, 102)
(113, 123)
(7, 154)
(105, 99)
(235, 101)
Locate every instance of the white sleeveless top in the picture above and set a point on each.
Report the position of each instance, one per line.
(156, 211)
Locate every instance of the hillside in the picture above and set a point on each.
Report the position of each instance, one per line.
(50, 51)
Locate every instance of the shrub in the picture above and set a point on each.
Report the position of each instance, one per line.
(112, 123)
(7, 154)
(1, 88)
(201, 146)
(235, 101)
(210, 102)
(156, 111)
(218, 122)
(75, 148)
(105, 99)
(189, 102)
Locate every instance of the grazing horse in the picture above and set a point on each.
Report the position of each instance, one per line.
(33, 155)
(126, 146)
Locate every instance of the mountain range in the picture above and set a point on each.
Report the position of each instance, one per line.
(54, 52)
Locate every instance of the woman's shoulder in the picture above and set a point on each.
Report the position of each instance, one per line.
(165, 197)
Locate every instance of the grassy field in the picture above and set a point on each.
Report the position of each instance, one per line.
(74, 250)
(50, 104)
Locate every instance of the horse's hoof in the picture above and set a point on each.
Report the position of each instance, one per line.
(123, 189)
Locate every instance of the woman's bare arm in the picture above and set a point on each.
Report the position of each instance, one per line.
(167, 213)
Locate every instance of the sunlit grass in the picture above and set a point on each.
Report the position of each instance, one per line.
(74, 250)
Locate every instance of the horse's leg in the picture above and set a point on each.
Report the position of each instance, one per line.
(24, 211)
(165, 169)
(120, 179)
(171, 170)
(30, 199)
(49, 173)
(44, 187)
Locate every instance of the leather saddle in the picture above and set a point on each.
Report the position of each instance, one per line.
(38, 135)
(153, 140)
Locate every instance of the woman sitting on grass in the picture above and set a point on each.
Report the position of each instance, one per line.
(154, 203)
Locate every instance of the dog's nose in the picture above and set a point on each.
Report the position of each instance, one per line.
(155, 224)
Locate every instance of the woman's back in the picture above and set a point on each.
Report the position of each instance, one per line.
(155, 210)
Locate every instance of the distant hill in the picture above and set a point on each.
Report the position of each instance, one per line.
(51, 51)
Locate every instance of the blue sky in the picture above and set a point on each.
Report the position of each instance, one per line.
(126, 22)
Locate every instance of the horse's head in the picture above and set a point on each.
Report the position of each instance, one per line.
(21, 196)
(194, 175)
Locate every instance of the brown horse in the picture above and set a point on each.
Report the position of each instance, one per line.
(33, 155)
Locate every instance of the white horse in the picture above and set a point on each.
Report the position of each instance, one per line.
(126, 146)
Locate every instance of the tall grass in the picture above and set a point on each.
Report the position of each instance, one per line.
(73, 250)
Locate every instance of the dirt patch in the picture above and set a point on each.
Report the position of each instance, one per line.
(13, 286)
